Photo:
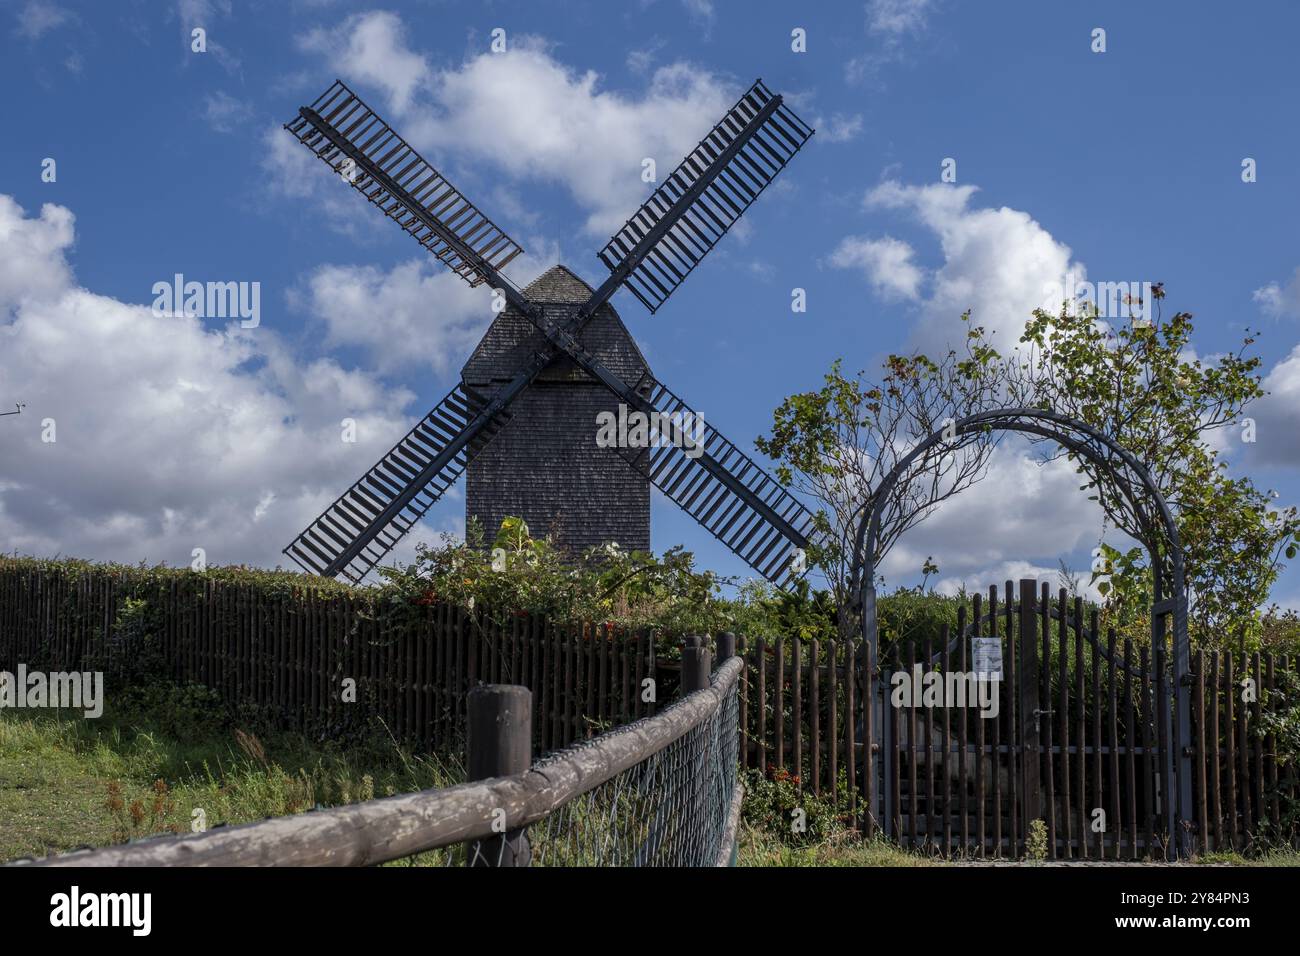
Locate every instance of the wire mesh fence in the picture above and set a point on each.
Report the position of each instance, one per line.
(670, 809)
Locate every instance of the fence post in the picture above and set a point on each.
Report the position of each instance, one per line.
(696, 664)
(726, 642)
(500, 735)
(1029, 703)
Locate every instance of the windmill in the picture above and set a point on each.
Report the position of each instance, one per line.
(720, 486)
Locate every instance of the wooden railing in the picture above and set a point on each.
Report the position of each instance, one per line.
(492, 815)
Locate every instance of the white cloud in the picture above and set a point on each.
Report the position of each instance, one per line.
(525, 114)
(701, 11)
(1014, 571)
(887, 263)
(895, 17)
(294, 173)
(33, 266)
(204, 14)
(170, 435)
(371, 49)
(1281, 300)
(641, 59)
(1022, 514)
(39, 17)
(417, 313)
(888, 23)
(999, 263)
(1277, 415)
(223, 112)
(838, 129)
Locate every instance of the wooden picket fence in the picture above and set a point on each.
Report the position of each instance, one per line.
(1240, 783)
(1080, 728)
(289, 653)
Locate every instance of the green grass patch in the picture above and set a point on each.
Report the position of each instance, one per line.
(843, 848)
(1277, 857)
(68, 782)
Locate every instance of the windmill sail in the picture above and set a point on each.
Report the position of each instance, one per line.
(724, 489)
(355, 533)
(694, 208)
(363, 149)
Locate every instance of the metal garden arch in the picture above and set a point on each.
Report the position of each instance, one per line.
(1131, 479)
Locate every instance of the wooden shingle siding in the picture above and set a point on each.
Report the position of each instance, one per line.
(544, 466)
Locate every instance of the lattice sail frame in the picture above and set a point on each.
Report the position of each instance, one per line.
(754, 163)
(340, 111)
(765, 537)
(334, 532)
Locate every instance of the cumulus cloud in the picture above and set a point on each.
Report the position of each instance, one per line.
(999, 263)
(416, 313)
(640, 60)
(887, 263)
(1024, 515)
(169, 434)
(702, 13)
(33, 266)
(1281, 300)
(523, 113)
(1277, 415)
(292, 172)
(1014, 571)
(371, 49)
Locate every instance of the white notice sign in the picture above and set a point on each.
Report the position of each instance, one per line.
(986, 656)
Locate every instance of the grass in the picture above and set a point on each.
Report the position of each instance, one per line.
(1280, 857)
(844, 848)
(759, 848)
(67, 782)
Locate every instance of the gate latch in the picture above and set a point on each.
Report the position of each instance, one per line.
(1043, 713)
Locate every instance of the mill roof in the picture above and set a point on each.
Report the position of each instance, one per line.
(511, 339)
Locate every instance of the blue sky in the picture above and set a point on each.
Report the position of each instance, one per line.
(178, 433)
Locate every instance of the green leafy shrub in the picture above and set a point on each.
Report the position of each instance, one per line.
(776, 804)
(523, 574)
(1280, 720)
